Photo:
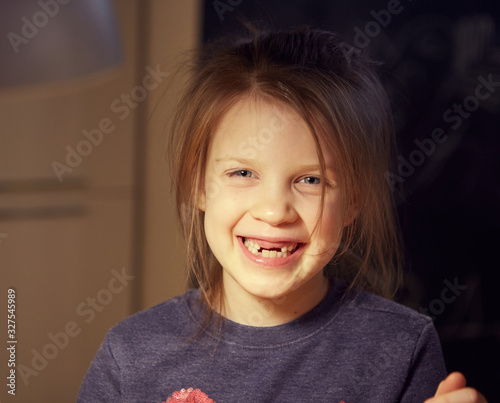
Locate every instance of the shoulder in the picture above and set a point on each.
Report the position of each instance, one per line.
(388, 344)
(366, 304)
(381, 319)
(171, 317)
(370, 304)
(132, 348)
(370, 324)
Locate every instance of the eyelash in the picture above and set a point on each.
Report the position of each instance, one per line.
(316, 179)
(239, 173)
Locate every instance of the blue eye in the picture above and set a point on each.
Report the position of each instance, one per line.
(243, 173)
(311, 180)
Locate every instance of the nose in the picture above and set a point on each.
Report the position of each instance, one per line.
(274, 205)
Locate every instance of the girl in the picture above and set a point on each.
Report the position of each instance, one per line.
(280, 147)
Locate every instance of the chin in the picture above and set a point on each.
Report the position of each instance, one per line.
(268, 290)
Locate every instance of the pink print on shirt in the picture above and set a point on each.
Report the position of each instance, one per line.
(189, 396)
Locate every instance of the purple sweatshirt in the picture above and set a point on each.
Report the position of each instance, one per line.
(362, 348)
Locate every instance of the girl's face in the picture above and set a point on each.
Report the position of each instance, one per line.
(262, 202)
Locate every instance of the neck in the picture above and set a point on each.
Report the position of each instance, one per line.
(247, 309)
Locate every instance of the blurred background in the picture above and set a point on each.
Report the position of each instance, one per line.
(88, 234)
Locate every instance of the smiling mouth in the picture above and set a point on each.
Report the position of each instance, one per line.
(282, 249)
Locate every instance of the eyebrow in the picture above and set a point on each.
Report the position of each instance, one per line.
(244, 161)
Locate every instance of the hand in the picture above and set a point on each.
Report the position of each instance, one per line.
(453, 390)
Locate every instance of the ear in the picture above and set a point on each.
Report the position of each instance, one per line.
(351, 214)
(201, 196)
(201, 199)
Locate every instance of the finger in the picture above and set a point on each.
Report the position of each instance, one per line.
(453, 381)
(465, 395)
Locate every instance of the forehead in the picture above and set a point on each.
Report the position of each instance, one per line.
(254, 127)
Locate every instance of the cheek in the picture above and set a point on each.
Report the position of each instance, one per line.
(329, 232)
(217, 231)
(212, 188)
(222, 213)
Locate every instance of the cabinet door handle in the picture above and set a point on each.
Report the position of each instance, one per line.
(42, 212)
(32, 185)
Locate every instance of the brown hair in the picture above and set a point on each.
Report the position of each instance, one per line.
(335, 90)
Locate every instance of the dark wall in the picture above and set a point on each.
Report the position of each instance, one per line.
(441, 69)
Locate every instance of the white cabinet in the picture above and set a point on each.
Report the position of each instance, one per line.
(88, 248)
(67, 245)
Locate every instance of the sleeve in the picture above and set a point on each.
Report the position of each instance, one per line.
(427, 368)
(102, 380)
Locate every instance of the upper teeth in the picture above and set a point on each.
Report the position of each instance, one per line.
(254, 248)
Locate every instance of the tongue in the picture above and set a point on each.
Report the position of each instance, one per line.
(271, 245)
